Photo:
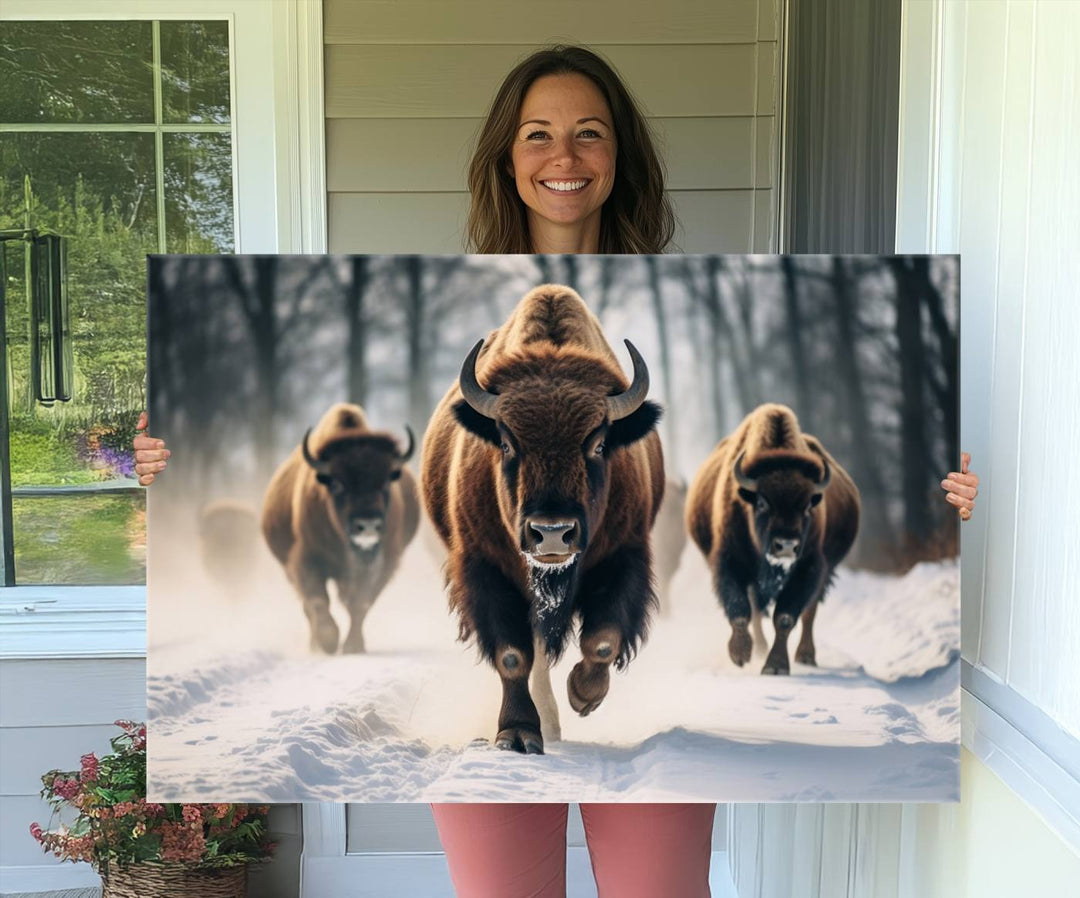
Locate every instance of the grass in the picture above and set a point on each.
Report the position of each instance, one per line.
(83, 540)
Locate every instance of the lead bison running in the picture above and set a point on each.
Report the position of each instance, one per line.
(542, 472)
(774, 514)
(341, 507)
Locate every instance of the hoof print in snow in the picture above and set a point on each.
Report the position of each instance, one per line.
(519, 739)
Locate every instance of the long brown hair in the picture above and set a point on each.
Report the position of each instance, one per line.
(637, 216)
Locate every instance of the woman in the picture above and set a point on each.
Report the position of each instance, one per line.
(565, 164)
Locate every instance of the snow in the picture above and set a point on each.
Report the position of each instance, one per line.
(240, 710)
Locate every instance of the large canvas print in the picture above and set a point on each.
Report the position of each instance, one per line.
(554, 528)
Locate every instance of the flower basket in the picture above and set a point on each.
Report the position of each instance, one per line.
(143, 849)
(174, 881)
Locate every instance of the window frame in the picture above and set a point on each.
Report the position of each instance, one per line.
(277, 125)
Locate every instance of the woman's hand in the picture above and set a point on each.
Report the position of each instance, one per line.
(150, 454)
(961, 487)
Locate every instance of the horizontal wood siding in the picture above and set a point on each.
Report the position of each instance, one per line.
(524, 22)
(432, 155)
(440, 81)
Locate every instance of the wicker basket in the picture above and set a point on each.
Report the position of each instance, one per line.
(174, 881)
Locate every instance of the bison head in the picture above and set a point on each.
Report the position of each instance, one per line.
(782, 488)
(356, 472)
(559, 419)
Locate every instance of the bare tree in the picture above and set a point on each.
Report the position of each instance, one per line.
(865, 457)
(656, 295)
(793, 331)
(911, 276)
(355, 291)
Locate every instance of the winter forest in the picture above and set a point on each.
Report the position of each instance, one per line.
(247, 352)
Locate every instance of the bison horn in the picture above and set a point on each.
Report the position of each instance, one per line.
(629, 401)
(478, 398)
(747, 483)
(823, 484)
(407, 454)
(317, 465)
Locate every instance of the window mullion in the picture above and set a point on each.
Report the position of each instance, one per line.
(7, 539)
(159, 138)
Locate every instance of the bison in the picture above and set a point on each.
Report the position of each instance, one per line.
(774, 514)
(542, 473)
(229, 543)
(341, 507)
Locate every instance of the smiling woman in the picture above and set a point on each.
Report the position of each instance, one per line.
(563, 160)
(563, 117)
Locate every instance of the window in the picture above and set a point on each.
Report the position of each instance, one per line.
(117, 135)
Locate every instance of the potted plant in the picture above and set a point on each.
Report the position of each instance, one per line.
(142, 848)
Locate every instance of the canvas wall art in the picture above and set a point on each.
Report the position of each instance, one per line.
(553, 528)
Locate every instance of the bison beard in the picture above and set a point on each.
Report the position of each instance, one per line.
(552, 609)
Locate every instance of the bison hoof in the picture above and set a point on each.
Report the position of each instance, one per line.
(773, 669)
(587, 690)
(354, 646)
(806, 655)
(324, 638)
(520, 739)
(741, 645)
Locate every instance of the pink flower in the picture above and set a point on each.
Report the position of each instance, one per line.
(89, 768)
(65, 788)
(36, 832)
(181, 842)
(192, 814)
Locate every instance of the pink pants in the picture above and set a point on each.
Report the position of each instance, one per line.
(519, 850)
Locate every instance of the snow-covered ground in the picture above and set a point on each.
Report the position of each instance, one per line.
(239, 710)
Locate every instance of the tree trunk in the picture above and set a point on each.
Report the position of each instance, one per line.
(725, 331)
(671, 447)
(418, 363)
(265, 331)
(571, 264)
(913, 454)
(711, 301)
(947, 343)
(876, 532)
(794, 334)
(357, 384)
(543, 263)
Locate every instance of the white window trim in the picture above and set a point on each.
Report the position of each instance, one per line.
(1033, 756)
(280, 207)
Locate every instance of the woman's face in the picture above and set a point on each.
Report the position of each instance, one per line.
(563, 154)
